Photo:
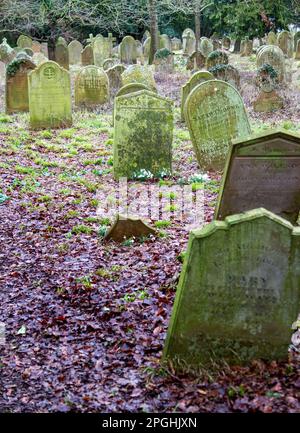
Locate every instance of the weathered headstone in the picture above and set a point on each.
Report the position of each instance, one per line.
(24, 41)
(143, 134)
(263, 171)
(49, 97)
(197, 78)
(196, 61)
(87, 56)
(62, 54)
(238, 292)
(164, 61)
(7, 53)
(176, 44)
(36, 47)
(128, 51)
(127, 227)
(273, 56)
(247, 48)
(131, 88)
(215, 58)
(44, 49)
(189, 43)
(272, 38)
(39, 58)
(206, 46)
(146, 48)
(114, 76)
(109, 63)
(285, 41)
(2, 73)
(91, 87)
(215, 115)
(227, 73)
(296, 39)
(226, 43)
(75, 48)
(139, 74)
(297, 55)
(268, 99)
(16, 93)
(102, 48)
(164, 42)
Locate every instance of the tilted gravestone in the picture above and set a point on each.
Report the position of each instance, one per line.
(75, 48)
(87, 56)
(128, 50)
(16, 93)
(2, 72)
(262, 171)
(197, 78)
(238, 292)
(143, 134)
(49, 97)
(62, 54)
(91, 87)
(114, 76)
(215, 115)
(139, 74)
(273, 56)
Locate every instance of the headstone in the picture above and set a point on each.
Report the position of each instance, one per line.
(296, 39)
(146, 48)
(109, 63)
(215, 58)
(75, 48)
(128, 51)
(227, 73)
(297, 55)
(176, 44)
(273, 56)
(128, 227)
(189, 43)
(263, 171)
(102, 49)
(24, 41)
(196, 61)
(268, 99)
(132, 88)
(198, 78)
(143, 134)
(206, 46)
(146, 35)
(164, 61)
(247, 48)
(215, 115)
(44, 49)
(87, 56)
(226, 43)
(217, 45)
(164, 42)
(62, 54)
(114, 76)
(49, 97)
(16, 94)
(139, 50)
(139, 74)
(91, 87)
(238, 292)
(285, 42)
(272, 38)
(7, 53)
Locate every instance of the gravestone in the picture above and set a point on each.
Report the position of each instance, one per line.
(143, 134)
(164, 42)
(273, 56)
(139, 51)
(272, 38)
(139, 74)
(238, 292)
(87, 56)
(297, 55)
(146, 35)
(164, 61)
(62, 54)
(197, 78)
(247, 48)
(226, 43)
(16, 93)
(44, 49)
(296, 39)
(114, 76)
(49, 97)
(24, 41)
(7, 53)
(189, 43)
(206, 46)
(215, 58)
(75, 48)
(227, 73)
(102, 48)
(109, 63)
(128, 51)
(268, 99)
(91, 87)
(176, 44)
(215, 115)
(285, 42)
(262, 171)
(146, 48)
(131, 88)
(196, 61)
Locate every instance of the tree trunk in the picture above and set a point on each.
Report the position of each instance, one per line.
(153, 30)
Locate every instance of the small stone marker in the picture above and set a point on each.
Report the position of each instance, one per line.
(16, 94)
(139, 74)
(262, 171)
(91, 87)
(49, 97)
(238, 292)
(127, 227)
(128, 51)
(75, 48)
(215, 114)
(143, 134)
(198, 78)
(272, 38)
(87, 56)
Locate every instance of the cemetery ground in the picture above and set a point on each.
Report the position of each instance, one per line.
(86, 319)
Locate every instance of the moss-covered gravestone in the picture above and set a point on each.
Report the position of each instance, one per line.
(24, 41)
(189, 42)
(227, 73)
(197, 78)
(139, 74)
(215, 115)
(206, 46)
(217, 57)
(49, 97)
(239, 292)
(16, 91)
(272, 55)
(91, 87)
(271, 38)
(75, 48)
(128, 50)
(114, 76)
(87, 56)
(143, 134)
(102, 49)
(262, 171)
(62, 53)
(131, 88)
(285, 41)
